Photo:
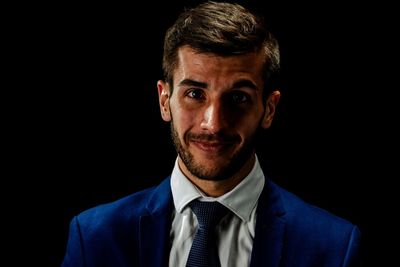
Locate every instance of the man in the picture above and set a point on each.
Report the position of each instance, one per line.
(220, 66)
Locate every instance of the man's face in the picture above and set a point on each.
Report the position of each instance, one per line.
(215, 109)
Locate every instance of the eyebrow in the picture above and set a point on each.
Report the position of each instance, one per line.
(244, 83)
(189, 82)
(236, 85)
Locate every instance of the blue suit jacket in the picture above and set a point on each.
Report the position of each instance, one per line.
(134, 231)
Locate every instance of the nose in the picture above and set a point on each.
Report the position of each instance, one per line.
(214, 119)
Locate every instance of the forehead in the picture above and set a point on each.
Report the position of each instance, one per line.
(203, 66)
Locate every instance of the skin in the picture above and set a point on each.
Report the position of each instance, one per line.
(215, 109)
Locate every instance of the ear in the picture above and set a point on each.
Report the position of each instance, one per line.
(270, 107)
(163, 98)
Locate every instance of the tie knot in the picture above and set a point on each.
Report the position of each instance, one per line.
(208, 213)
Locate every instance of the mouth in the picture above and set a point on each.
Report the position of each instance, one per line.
(211, 147)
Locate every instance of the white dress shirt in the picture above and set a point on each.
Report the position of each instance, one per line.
(235, 232)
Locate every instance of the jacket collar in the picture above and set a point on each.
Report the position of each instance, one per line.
(270, 228)
(154, 227)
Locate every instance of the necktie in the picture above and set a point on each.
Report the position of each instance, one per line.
(204, 251)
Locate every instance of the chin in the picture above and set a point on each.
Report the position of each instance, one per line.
(212, 169)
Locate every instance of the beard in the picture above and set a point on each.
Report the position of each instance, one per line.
(223, 172)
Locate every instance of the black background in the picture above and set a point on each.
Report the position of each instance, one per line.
(89, 131)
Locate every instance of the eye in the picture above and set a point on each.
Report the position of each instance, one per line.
(239, 97)
(196, 94)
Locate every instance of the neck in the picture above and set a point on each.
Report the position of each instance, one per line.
(219, 187)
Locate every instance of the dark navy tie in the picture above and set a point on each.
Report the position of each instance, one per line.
(204, 251)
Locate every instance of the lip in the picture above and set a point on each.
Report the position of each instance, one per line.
(211, 147)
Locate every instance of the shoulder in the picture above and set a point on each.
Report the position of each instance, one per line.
(97, 232)
(125, 212)
(129, 206)
(304, 218)
(315, 234)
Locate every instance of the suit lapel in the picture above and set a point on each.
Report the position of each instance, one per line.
(270, 229)
(155, 227)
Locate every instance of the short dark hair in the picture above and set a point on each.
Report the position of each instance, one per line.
(224, 29)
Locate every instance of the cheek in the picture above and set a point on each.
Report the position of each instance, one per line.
(183, 119)
(247, 129)
(248, 125)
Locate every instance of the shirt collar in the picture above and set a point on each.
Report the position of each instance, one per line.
(241, 200)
